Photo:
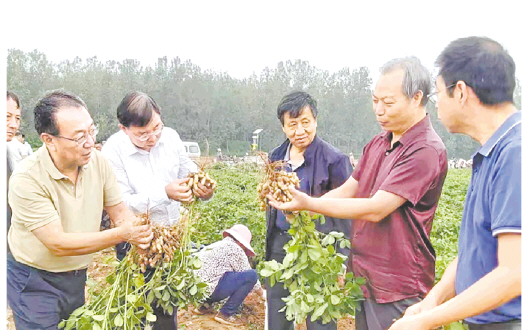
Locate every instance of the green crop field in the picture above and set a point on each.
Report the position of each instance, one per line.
(444, 235)
(236, 201)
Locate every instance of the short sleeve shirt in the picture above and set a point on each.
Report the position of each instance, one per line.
(492, 207)
(395, 255)
(39, 194)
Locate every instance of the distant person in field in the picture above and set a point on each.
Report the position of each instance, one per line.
(152, 168)
(12, 124)
(392, 197)
(226, 270)
(57, 196)
(482, 285)
(14, 150)
(27, 151)
(18, 149)
(320, 168)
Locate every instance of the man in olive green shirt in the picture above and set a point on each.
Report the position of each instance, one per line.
(57, 197)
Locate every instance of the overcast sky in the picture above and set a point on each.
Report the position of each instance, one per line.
(243, 37)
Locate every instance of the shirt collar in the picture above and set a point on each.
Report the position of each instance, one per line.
(308, 153)
(130, 149)
(507, 125)
(412, 133)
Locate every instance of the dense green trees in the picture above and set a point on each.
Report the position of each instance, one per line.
(211, 108)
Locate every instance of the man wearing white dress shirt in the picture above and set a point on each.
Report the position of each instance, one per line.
(151, 167)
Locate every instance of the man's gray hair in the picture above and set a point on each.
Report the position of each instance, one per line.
(416, 77)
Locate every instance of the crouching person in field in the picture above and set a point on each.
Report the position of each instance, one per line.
(226, 270)
(56, 197)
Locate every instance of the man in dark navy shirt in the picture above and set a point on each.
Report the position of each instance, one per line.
(391, 197)
(320, 168)
(482, 285)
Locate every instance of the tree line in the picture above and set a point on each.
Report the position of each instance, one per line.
(212, 108)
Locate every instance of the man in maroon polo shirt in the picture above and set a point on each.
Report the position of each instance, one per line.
(392, 197)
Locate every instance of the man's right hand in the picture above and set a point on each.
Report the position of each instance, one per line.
(299, 202)
(178, 190)
(140, 235)
(424, 305)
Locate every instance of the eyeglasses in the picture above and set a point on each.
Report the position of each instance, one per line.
(433, 97)
(83, 138)
(147, 136)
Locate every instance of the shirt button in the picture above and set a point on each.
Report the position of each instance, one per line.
(386, 153)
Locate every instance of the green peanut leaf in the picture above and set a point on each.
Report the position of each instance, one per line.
(197, 263)
(193, 290)
(150, 317)
(118, 321)
(319, 312)
(98, 317)
(360, 280)
(266, 272)
(181, 285)
(79, 311)
(132, 298)
(314, 254)
(287, 274)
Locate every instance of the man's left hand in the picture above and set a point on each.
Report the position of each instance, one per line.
(203, 192)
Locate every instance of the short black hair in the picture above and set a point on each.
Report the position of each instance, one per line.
(136, 109)
(11, 95)
(294, 103)
(48, 106)
(483, 64)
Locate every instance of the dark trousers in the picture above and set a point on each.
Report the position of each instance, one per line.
(40, 299)
(163, 321)
(277, 320)
(235, 286)
(508, 325)
(380, 316)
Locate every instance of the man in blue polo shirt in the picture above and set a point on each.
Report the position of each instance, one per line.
(482, 285)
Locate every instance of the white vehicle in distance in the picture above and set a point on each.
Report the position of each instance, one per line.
(192, 149)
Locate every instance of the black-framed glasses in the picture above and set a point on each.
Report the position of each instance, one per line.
(83, 138)
(433, 97)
